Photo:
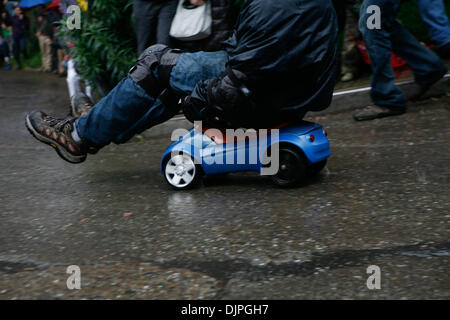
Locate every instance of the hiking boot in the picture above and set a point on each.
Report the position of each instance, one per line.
(80, 105)
(376, 112)
(420, 89)
(58, 134)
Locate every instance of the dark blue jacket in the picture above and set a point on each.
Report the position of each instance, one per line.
(287, 51)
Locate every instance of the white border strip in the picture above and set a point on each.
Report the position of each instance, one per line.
(342, 93)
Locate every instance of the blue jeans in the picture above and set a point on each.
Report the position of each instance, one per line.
(392, 37)
(434, 15)
(128, 110)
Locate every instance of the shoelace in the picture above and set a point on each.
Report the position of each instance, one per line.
(57, 123)
(87, 105)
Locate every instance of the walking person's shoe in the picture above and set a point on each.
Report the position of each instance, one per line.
(376, 112)
(419, 90)
(444, 51)
(58, 134)
(80, 105)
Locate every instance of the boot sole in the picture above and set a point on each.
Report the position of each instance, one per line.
(62, 152)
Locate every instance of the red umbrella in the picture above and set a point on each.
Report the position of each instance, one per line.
(54, 4)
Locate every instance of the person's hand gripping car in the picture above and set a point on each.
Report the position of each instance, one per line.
(223, 102)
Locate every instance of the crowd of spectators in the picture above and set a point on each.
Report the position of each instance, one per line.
(19, 26)
(153, 20)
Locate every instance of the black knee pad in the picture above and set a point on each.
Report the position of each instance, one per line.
(157, 59)
(143, 72)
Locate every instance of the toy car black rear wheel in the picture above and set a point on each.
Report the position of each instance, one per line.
(315, 168)
(292, 167)
(181, 172)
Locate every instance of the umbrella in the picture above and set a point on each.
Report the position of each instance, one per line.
(31, 3)
(54, 4)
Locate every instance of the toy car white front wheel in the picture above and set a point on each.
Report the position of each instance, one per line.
(181, 172)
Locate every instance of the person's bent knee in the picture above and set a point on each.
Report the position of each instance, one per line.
(153, 67)
(153, 49)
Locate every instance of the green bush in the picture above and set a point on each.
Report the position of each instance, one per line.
(105, 45)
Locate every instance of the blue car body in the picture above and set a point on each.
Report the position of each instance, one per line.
(212, 154)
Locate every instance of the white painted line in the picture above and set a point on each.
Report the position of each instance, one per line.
(178, 118)
(341, 93)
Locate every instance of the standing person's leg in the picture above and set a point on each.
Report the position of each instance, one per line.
(384, 92)
(88, 89)
(47, 54)
(145, 23)
(10, 41)
(16, 52)
(4, 51)
(73, 79)
(60, 54)
(41, 40)
(434, 15)
(54, 57)
(392, 37)
(23, 47)
(352, 61)
(165, 17)
(428, 68)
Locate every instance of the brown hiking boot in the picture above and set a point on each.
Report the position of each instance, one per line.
(80, 105)
(58, 134)
(375, 112)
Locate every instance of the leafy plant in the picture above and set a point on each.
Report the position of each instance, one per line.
(104, 47)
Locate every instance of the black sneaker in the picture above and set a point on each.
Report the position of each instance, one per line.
(419, 90)
(80, 105)
(444, 51)
(58, 134)
(376, 112)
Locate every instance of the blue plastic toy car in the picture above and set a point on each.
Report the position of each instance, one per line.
(288, 154)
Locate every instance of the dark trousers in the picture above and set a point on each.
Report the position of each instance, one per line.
(392, 37)
(19, 47)
(4, 50)
(152, 22)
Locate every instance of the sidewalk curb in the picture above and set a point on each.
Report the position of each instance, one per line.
(343, 100)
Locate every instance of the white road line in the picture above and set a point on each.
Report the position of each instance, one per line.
(341, 93)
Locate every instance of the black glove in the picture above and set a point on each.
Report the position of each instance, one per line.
(222, 102)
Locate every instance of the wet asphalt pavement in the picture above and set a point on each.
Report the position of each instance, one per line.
(382, 200)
